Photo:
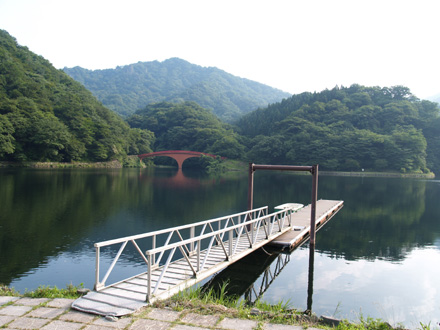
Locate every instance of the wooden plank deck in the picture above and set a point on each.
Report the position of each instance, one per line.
(325, 210)
(127, 296)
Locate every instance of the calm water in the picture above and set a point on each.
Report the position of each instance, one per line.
(379, 256)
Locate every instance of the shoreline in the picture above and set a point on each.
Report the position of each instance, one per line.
(380, 174)
(116, 164)
(172, 311)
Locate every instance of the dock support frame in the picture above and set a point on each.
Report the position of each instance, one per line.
(314, 169)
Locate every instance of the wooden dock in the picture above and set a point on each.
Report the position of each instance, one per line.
(202, 253)
(325, 210)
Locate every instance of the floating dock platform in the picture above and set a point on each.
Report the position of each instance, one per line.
(325, 210)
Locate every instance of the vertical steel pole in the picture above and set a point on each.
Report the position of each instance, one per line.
(192, 234)
(148, 297)
(250, 197)
(314, 198)
(153, 257)
(97, 284)
(310, 284)
(250, 200)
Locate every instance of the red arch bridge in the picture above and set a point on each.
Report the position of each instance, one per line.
(179, 155)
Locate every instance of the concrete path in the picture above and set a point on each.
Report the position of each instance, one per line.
(51, 314)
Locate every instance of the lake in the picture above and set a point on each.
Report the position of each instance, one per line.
(379, 256)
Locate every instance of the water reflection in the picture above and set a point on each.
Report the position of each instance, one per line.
(382, 249)
(382, 218)
(175, 179)
(251, 276)
(47, 212)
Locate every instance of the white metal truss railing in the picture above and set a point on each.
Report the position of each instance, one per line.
(167, 236)
(255, 232)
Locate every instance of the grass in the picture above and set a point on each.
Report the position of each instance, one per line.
(216, 301)
(6, 291)
(71, 292)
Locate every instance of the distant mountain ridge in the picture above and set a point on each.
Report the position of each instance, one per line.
(132, 87)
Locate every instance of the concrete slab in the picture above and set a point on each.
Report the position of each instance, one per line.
(57, 325)
(7, 299)
(60, 303)
(119, 324)
(271, 326)
(144, 324)
(96, 327)
(46, 312)
(13, 310)
(30, 301)
(27, 323)
(79, 317)
(237, 324)
(202, 320)
(5, 319)
(163, 315)
(188, 327)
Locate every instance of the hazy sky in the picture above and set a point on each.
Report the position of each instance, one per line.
(292, 45)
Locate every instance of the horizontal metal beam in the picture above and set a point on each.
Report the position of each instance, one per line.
(282, 168)
(165, 231)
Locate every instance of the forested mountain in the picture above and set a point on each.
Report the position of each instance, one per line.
(132, 87)
(45, 115)
(352, 128)
(187, 126)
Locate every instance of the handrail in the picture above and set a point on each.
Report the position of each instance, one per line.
(240, 217)
(162, 231)
(252, 227)
(215, 233)
(267, 221)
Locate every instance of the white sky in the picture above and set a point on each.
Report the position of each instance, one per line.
(292, 45)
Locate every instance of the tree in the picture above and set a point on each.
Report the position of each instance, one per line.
(49, 139)
(6, 136)
(267, 150)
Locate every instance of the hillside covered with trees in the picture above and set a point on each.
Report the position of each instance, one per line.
(132, 87)
(188, 126)
(354, 128)
(45, 115)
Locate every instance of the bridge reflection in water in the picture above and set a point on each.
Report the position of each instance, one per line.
(252, 276)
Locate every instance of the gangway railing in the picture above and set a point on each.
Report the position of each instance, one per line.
(168, 235)
(235, 236)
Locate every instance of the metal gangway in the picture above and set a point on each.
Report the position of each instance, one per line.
(179, 257)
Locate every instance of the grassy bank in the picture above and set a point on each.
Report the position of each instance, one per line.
(217, 302)
(111, 164)
(380, 174)
(227, 165)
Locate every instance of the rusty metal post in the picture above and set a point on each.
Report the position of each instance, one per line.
(310, 284)
(250, 201)
(314, 198)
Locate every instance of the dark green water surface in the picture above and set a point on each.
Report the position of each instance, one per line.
(379, 256)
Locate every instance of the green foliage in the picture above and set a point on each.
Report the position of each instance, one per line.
(47, 116)
(187, 126)
(42, 291)
(7, 291)
(6, 136)
(132, 87)
(354, 128)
